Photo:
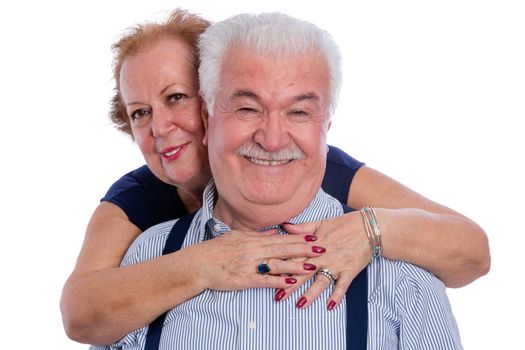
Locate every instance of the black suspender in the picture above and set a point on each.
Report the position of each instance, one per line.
(173, 243)
(357, 309)
(356, 296)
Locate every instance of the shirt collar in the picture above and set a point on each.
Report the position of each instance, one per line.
(213, 227)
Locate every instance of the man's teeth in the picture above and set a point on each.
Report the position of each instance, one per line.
(170, 153)
(268, 162)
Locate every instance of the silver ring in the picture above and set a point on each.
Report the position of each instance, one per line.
(325, 271)
(263, 268)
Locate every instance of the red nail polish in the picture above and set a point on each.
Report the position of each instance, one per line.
(309, 267)
(310, 238)
(301, 302)
(280, 294)
(317, 249)
(290, 280)
(289, 223)
(331, 305)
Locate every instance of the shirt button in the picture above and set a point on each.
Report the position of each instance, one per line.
(216, 227)
(251, 325)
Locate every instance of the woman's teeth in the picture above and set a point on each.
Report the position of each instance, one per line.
(170, 153)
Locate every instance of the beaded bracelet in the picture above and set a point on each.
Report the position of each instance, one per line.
(372, 230)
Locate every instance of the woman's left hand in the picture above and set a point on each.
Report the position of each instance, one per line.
(347, 253)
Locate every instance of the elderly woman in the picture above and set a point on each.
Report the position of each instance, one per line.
(157, 102)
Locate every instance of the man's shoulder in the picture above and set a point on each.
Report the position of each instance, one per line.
(154, 237)
(409, 274)
(326, 205)
(416, 302)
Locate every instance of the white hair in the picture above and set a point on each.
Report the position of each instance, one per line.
(266, 33)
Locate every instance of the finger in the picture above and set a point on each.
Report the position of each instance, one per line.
(291, 289)
(318, 286)
(341, 286)
(305, 228)
(292, 250)
(277, 282)
(289, 267)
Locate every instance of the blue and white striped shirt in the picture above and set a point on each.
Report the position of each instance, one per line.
(407, 306)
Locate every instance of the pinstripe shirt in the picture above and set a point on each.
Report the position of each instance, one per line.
(407, 306)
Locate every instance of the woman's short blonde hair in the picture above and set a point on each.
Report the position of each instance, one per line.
(179, 24)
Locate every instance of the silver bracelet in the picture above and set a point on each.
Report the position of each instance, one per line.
(372, 230)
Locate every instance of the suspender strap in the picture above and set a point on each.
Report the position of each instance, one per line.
(357, 309)
(173, 243)
(357, 312)
(356, 297)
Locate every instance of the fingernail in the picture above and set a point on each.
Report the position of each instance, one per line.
(301, 302)
(309, 267)
(280, 294)
(331, 305)
(317, 249)
(290, 280)
(310, 238)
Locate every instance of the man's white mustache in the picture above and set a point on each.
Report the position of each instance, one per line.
(253, 150)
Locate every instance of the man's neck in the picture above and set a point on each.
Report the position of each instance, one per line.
(254, 217)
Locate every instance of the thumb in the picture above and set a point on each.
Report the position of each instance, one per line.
(304, 228)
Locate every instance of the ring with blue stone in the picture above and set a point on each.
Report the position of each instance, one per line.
(263, 268)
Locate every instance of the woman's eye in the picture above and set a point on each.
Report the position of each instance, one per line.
(139, 113)
(176, 97)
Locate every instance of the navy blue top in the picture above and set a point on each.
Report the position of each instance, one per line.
(148, 201)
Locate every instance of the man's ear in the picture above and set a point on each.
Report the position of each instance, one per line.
(204, 116)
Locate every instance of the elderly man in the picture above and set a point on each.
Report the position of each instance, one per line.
(270, 84)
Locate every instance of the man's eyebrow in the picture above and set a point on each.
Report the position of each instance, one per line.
(247, 93)
(244, 93)
(308, 96)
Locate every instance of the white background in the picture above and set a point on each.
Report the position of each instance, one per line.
(433, 95)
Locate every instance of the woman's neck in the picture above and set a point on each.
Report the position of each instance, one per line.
(191, 193)
(192, 200)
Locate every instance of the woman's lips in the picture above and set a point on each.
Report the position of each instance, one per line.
(172, 153)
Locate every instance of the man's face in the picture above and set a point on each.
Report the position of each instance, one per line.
(266, 136)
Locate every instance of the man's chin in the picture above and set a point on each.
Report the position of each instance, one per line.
(271, 194)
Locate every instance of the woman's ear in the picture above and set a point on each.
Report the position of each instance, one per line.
(204, 116)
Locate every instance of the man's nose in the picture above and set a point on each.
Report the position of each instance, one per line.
(272, 133)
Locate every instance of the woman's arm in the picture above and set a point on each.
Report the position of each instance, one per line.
(414, 229)
(102, 302)
(420, 231)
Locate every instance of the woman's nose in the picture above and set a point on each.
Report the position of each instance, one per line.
(163, 122)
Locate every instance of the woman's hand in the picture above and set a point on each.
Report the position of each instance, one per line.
(229, 262)
(347, 253)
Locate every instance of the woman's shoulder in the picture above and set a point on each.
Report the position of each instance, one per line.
(338, 157)
(145, 199)
(340, 171)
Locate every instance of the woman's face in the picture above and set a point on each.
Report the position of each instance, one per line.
(159, 89)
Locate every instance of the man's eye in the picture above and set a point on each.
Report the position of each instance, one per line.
(299, 113)
(247, 110)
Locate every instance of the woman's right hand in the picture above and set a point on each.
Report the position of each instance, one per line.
(229, 262)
